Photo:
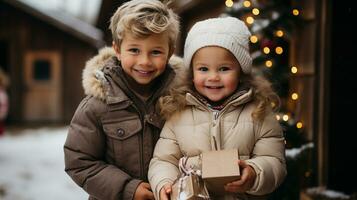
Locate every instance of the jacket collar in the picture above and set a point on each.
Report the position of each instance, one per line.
(241, 96)
(114, 72)
(94, 80)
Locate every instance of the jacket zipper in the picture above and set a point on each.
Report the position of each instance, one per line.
(137, 104)
(215, 115)
(141, 138)
(141, 142)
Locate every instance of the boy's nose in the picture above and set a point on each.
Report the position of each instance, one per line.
(145, 60)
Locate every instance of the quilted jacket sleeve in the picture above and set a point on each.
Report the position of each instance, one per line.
(164, 164)
(268, 158)
(84, 156)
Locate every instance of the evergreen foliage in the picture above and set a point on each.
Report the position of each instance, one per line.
(274, 27)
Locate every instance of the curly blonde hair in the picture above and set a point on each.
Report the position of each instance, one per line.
(265, 97)
(143, 18)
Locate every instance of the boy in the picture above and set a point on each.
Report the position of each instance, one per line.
(113, 132)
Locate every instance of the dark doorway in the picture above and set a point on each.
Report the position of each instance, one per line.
(342, 121)
(4, 55)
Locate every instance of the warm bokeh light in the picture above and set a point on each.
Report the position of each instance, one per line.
(269, 63)
(253, 39)
(279, 33)
(255, 11)
(294, 96)
(279, 50)
(294, 69)
(299, 125)
(250, 20)
(266, 50)
(296, 12)
(247, 4)
(229, 3)
(285, 117)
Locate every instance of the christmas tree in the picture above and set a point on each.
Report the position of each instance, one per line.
(273, 24)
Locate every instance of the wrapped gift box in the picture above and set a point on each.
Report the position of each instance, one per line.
(219, 168)
(189, 187)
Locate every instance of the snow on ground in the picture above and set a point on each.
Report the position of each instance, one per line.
(323, 193)
(32, 166)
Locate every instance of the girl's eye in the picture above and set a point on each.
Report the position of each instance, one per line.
(203, 69)
(224, 68)
(134, 50)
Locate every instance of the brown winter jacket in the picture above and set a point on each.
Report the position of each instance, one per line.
(113, 133)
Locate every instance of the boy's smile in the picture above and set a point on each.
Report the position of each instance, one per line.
(143, 59)
(216, 73)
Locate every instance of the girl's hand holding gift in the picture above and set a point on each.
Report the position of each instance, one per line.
(246, 181)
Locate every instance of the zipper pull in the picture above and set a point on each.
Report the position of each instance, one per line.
(215, 115)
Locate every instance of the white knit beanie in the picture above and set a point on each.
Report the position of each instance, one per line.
(228, 32)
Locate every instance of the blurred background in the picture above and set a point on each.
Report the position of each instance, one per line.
(305, 47)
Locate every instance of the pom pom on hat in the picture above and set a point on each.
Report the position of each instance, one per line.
(227, 32)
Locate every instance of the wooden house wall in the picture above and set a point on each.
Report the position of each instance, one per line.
(24, 32)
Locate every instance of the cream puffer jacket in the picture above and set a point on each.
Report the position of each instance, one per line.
(260, 143)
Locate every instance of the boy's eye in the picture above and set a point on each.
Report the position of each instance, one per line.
(156, 52)
(134, 50)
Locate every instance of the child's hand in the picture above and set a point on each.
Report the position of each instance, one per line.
(143, 192)
(245, 182)
(165, 192)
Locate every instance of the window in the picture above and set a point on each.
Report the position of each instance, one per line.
(41, 70)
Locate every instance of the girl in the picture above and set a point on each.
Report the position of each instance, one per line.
(222, 99)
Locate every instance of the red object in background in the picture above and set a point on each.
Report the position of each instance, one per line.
(2, 128)
(4, 106)
(268, 43)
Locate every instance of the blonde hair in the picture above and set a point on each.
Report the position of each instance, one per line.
(265, 97)
(143, 18)
(175, 100)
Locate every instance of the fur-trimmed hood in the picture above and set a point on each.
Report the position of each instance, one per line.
(93, 77)
(183, 96)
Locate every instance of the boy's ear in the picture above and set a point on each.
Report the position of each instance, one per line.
(116, 49)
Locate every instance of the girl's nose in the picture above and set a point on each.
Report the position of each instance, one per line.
(213, 76)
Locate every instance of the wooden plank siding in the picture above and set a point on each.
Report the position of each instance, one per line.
(23, 33)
